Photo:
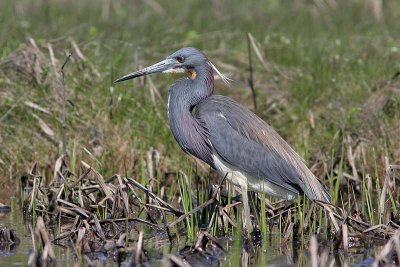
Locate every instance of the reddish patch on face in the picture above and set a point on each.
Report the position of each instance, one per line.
(193, 74)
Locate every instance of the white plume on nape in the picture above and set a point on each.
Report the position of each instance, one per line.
(224, 78)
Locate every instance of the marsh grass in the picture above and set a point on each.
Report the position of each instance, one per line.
(185, 186)
(291, 223)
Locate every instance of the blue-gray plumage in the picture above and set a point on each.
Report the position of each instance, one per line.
(229, 137)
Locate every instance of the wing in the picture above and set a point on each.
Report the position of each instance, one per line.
(247, 142)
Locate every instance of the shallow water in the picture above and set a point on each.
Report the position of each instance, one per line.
(271, 252)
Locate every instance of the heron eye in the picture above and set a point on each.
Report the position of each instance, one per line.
(180, 59)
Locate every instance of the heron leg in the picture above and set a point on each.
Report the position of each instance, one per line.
(247, 226)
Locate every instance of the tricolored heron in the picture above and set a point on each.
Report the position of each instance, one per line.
(229, 137)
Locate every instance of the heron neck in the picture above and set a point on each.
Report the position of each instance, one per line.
(183, 97)
(200, 85)
(188, 92)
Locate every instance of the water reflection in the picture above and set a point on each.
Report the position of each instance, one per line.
(270, 252)
(274, 252)
(7, 249)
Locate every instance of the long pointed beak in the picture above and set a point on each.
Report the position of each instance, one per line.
(162, 66)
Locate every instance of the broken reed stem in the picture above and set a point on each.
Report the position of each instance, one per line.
(350, 156)
(182, 217)
(64, 107)
(139, 248)
(150, 194)
(41, 233)
(251, 81)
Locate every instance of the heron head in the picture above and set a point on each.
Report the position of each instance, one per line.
(184, 60)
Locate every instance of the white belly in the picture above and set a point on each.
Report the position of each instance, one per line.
(241, 179)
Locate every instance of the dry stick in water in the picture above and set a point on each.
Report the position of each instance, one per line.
(391, 247)
(332, 215)
(64, 107)
(130, 219)
(139, 249)
(76, 208)
(314, 251)
(212, 219)
(170, 208)
(41, 232)
(177, 261)
(345, 238)
(199, 241)
(98, 227)
(79, 241)
(350, 220)
(33, 194)
(182, 217)
(214, 240)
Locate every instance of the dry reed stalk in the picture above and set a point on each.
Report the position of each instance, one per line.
(64, 99)
(385, 188)
(288, 232)
(199, 241)
(45, 128)
(37, 107)
(100, 180)
(213, 239)
(41, 233)
(351, 157)
(150, 194)
(138, 251)
(345, 238)
(257, 50)
(251, 80)
(53, 61)
(75, 208)
(314, 251)
(79, 240)
(33, 193)
(384, 258)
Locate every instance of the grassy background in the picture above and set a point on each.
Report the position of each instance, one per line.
(330, 63)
